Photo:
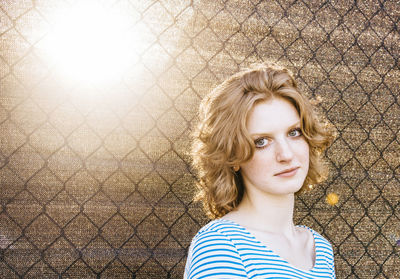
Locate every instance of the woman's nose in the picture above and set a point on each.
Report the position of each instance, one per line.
(284, 152)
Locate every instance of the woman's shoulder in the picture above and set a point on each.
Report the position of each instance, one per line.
(219, 227)
(220, 233)
(212, 252)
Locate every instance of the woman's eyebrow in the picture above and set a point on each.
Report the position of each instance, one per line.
(295, 124)
(256, 135)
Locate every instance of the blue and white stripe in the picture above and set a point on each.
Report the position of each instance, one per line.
(224, 249)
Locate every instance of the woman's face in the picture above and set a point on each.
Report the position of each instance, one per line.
(281, 158)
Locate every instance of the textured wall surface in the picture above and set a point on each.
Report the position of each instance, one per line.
(95, 179)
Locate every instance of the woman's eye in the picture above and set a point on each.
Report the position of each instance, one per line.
(262, 142)
(295, 132)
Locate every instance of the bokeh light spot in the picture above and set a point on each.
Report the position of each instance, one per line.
(332, 199)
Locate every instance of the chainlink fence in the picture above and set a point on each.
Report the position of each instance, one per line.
(95, 179)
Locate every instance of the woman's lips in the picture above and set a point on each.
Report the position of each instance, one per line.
(288, 172)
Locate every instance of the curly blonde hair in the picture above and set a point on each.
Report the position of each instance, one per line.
(221, 140)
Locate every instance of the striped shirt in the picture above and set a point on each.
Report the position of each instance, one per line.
(224, 249)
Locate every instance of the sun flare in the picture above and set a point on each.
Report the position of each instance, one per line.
(92, 42)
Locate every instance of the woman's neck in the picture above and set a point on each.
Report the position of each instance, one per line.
(266, 213)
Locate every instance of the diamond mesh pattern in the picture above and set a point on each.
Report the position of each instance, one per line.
(95, 181)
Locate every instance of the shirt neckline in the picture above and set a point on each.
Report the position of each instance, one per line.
(316, 248)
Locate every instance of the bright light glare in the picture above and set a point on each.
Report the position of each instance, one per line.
(92, 43)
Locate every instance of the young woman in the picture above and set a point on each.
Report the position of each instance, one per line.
(257, 144)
